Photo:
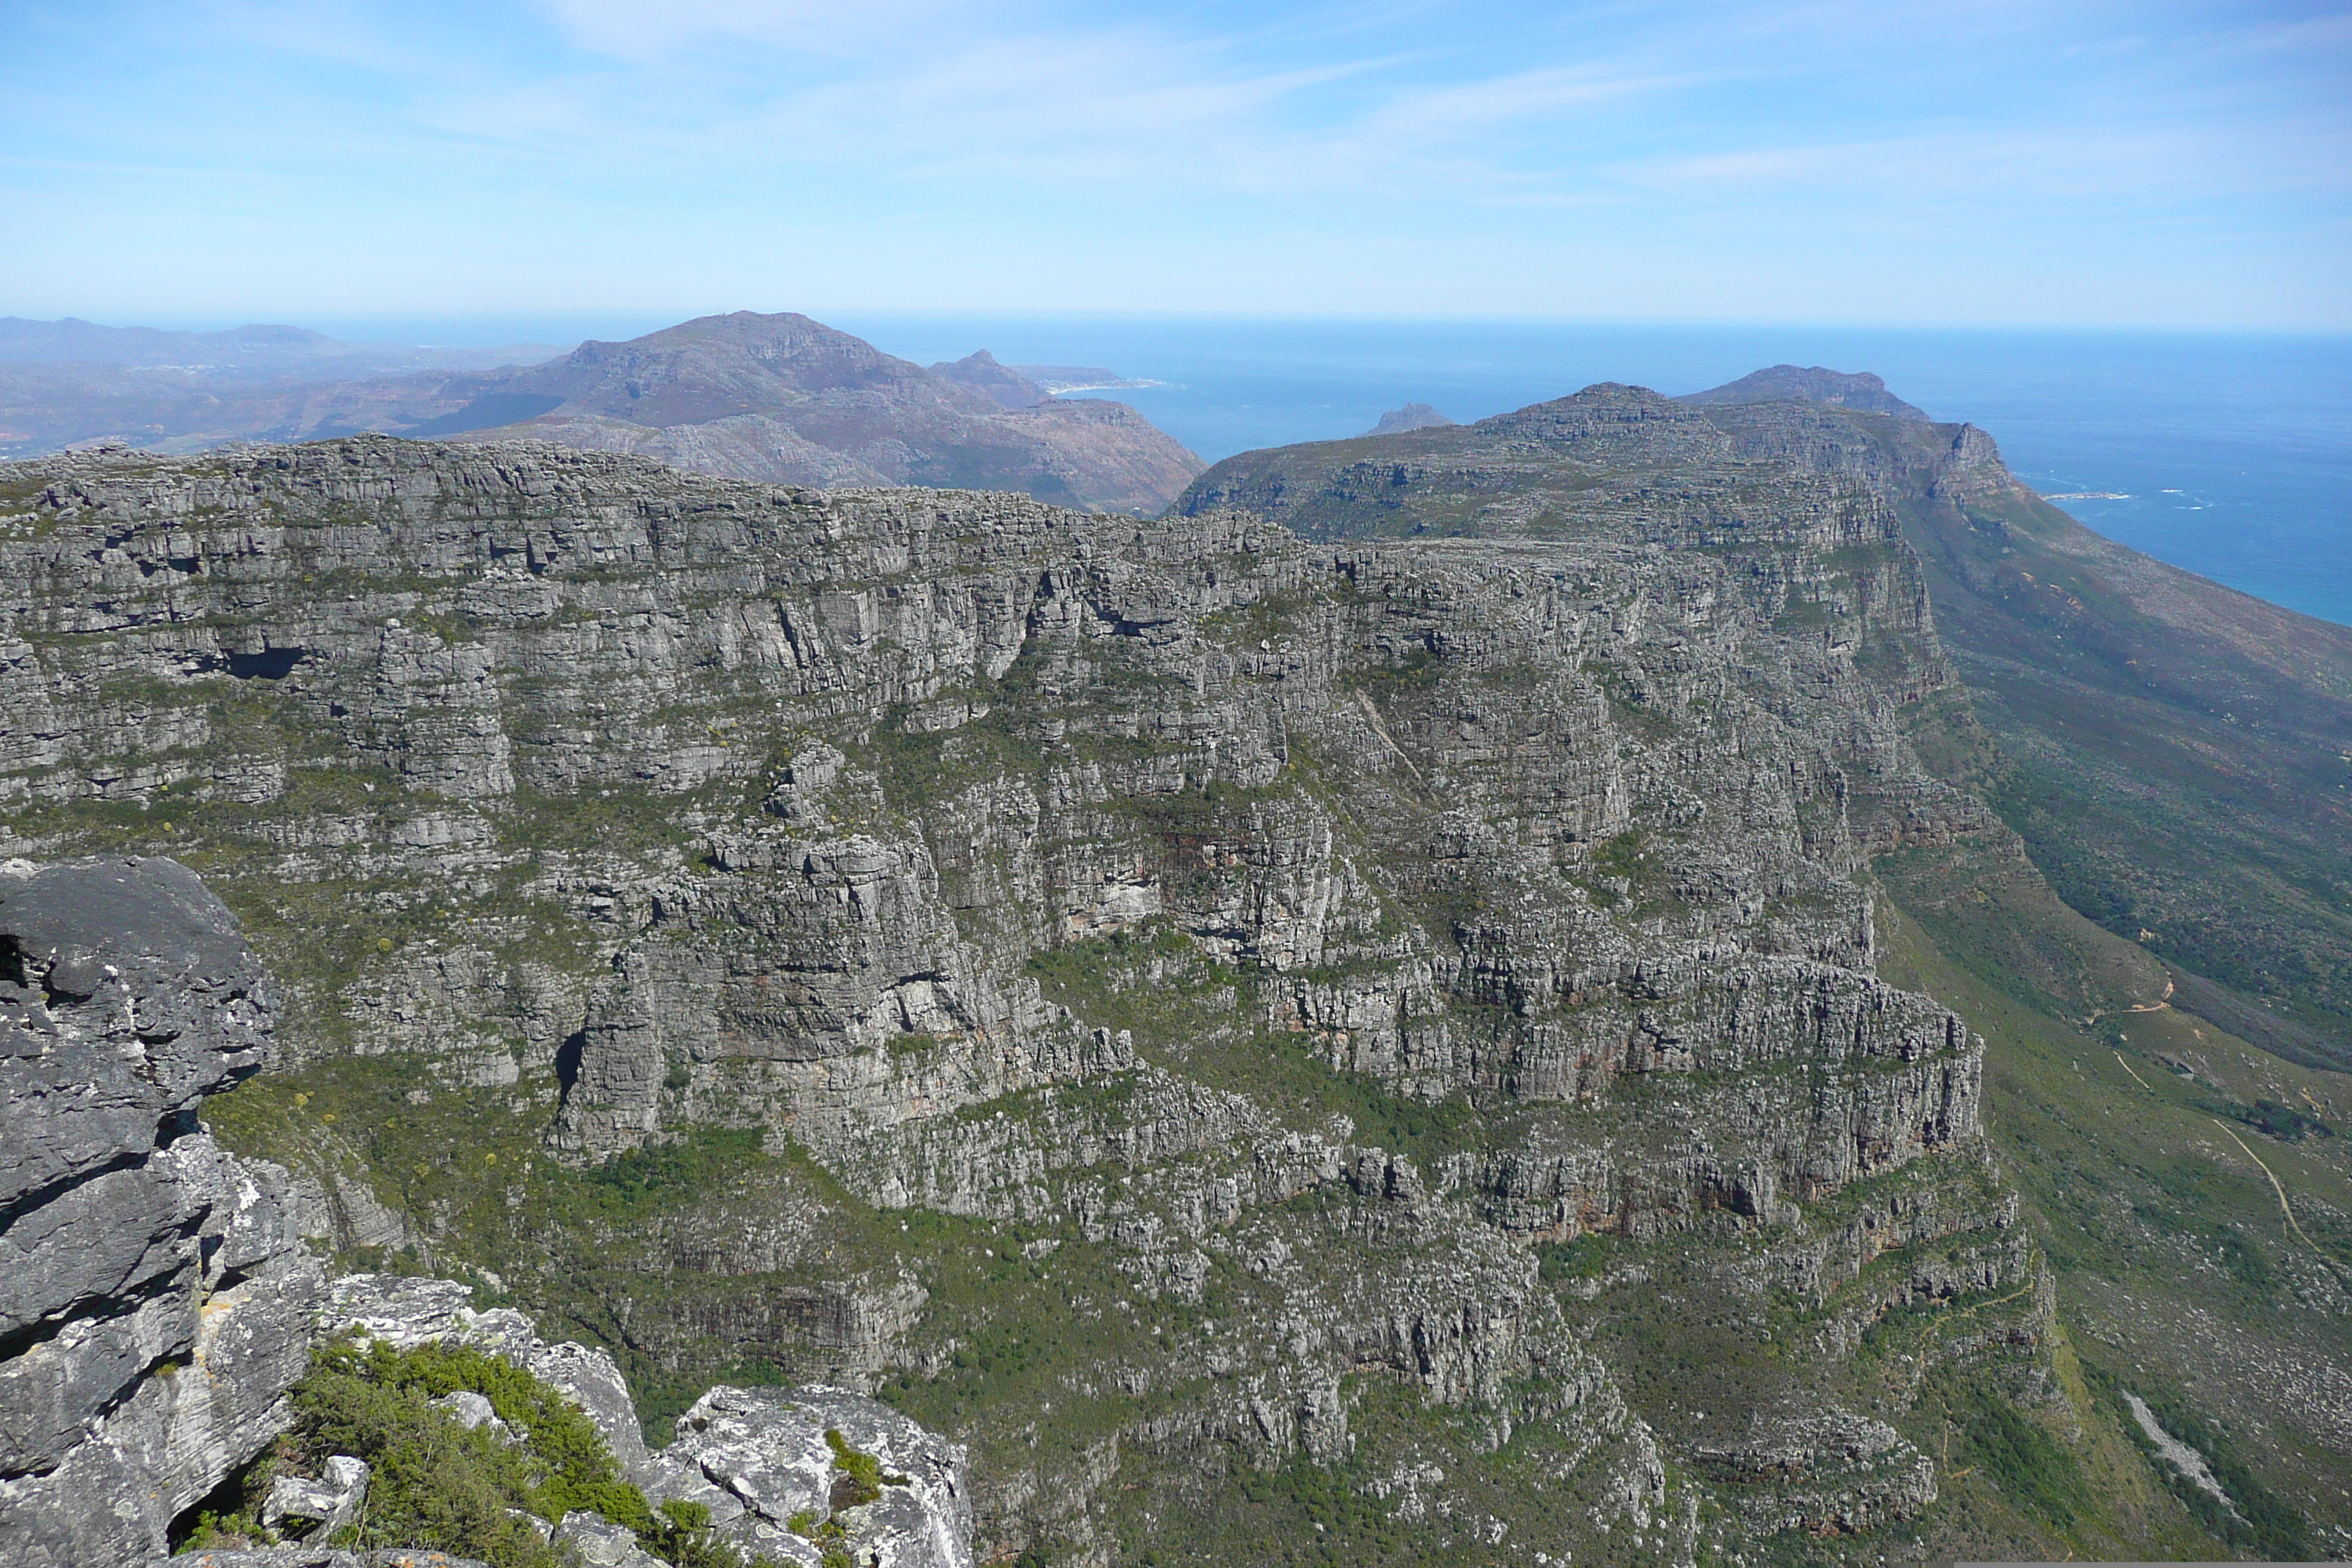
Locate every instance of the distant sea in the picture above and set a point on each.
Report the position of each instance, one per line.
(2229, 454)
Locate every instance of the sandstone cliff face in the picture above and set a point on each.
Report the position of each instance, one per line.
(1062, 871)
(154, 1300)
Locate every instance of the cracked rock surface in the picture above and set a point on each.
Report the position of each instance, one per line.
(154, 1299)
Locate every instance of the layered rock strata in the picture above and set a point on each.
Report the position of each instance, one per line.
(158, 1303)
(1089, 876)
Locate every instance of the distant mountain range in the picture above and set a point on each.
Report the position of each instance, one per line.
(775, 397)
(251, 353)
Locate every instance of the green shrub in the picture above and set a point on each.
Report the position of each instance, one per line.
(862, 1479)
(2022, 1459)
(435, 1485)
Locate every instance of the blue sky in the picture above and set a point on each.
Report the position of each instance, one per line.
(2084, 164)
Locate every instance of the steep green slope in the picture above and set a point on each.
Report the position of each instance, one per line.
(2148, 1143)
(2180, 757)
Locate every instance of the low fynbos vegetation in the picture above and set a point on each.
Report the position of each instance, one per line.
(435, 1484)
(2254, 1518)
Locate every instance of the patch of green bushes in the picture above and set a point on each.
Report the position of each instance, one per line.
(2028, 1465)
(858, 1480)
(436, 1485)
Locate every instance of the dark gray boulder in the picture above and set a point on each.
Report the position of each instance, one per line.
(156, 1300)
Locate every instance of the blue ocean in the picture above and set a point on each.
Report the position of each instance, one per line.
(2229, 454)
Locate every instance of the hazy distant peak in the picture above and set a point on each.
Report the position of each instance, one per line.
(1860, 391)
(1411, 417)
(248, 355)
(980, 371)
(281, 337)
(714, 367)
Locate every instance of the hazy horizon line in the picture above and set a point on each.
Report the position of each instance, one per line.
(568, 327)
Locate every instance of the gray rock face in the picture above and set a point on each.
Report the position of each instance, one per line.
(1411, 417)
(155, 1298)
(599, 1543)
(762, 1460)
(316, 1509)
(158, 1303)
(1569, 830)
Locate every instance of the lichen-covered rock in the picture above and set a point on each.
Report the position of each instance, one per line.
(777, 1468)
(155, 1297)
(599, 1543)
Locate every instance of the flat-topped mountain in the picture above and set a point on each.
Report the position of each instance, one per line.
(1608, 461)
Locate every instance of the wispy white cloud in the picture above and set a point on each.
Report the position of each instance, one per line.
(1407, 150)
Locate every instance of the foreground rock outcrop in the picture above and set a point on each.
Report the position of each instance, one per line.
(774, 1466)
(769, 1464)
(155, 1302)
